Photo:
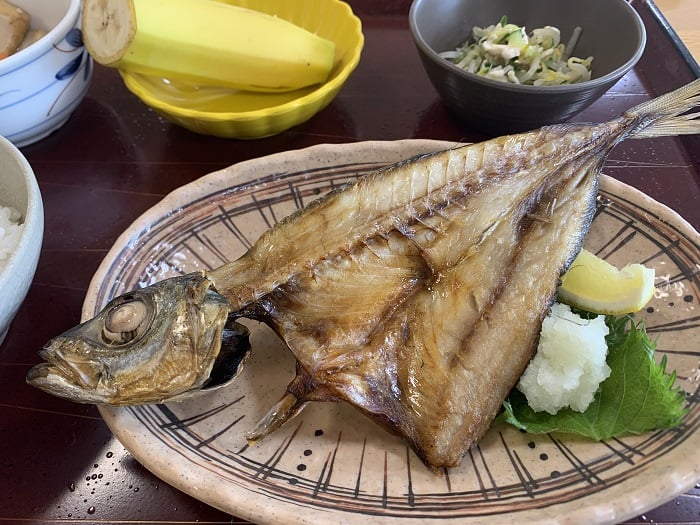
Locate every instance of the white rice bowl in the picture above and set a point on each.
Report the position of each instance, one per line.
(10, 233)
(21, 231)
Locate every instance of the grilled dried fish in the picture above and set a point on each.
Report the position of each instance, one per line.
(419, 301)
(187, 343)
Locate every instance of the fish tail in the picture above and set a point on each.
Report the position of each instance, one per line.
(667, 115)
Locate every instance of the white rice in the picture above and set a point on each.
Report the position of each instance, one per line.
(10, 233)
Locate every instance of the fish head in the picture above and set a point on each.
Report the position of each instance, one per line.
(146, 346)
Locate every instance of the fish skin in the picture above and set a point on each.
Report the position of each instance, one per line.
(406, 347)
(178, 349)
(421, 299)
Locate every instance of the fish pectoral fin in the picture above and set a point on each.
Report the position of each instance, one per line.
(300, 391)
(290, 404)
(284, 410)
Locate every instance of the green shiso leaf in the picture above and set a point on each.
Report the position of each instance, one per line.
(637, 397)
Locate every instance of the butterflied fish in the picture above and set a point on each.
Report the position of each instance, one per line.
(418, 298)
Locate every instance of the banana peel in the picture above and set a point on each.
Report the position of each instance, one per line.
(205, 42)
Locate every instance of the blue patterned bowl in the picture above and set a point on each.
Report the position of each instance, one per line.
(41, 85)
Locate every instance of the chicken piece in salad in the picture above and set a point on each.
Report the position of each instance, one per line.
(506, 52)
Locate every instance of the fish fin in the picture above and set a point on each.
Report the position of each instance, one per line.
(299, 392)
(667, 115)
(284, 410)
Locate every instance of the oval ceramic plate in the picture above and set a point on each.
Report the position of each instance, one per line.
(332, 465)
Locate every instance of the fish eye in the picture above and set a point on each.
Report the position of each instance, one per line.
(126, 320)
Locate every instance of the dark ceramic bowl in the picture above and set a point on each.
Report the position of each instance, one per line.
(613, 34)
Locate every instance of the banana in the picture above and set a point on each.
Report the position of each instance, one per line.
(208, 42)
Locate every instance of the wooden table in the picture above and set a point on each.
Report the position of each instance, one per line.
(115, 158)
(684, 18)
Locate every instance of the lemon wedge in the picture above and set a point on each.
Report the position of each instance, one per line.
(597, 286)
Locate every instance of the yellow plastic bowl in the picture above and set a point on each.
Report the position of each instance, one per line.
(247, 115)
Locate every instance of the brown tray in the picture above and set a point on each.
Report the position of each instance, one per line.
(115, 158)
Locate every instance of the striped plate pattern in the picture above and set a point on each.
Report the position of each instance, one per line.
(330, 463)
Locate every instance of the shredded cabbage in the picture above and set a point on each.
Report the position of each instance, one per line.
(506, 53)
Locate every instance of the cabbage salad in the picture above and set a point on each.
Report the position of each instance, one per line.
(505, 52)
